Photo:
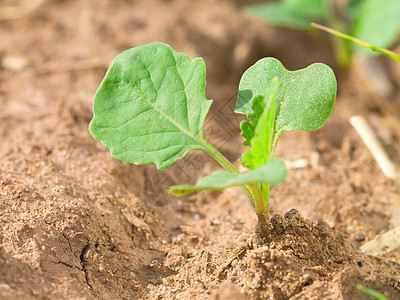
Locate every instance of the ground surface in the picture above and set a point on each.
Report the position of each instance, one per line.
(77, 224)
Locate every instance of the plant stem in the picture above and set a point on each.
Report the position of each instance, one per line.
(371, 292)
(227, 165)
(341, 48)
(222, 160)
(261, 192)
(262, 225)
(253, 191)
(259, 203)
(346, 37)
(342, 52)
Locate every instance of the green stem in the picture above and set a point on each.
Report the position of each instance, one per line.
(259, 198)
(265, 192)
(342, 52)
(222, 160)
(259, 203)
(349, 38)
(261, 208)
(341, 48)
(371, 292)
(227, 165)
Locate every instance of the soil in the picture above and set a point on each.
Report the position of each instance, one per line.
(78, 224)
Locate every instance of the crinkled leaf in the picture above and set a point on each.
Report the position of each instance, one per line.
(304, 101)
(151, 105)
(248, 128)
(377, 22)
(273, 172)
(259, 131)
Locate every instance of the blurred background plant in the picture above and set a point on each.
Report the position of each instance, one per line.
(374, 21)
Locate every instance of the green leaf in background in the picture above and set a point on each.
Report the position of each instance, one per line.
(289, 13)
(276, 13)
(304, 101)
(259, 131)
(151, 106)
(273, 172)
(315, 9)
(352, 8)
(377, 22)
(372, 293)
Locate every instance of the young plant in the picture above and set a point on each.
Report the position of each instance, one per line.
(151, 106)
(374, 21)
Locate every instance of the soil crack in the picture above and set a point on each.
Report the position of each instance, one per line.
(84, 264)
(60, 262)
(68, 241)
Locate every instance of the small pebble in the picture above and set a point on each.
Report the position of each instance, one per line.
(216, 222)
(359, 237)
(234, 263)
(14, 63)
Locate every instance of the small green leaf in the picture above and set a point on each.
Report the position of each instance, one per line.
(273, 172)
(151, 106)
(377, 22)
(304, 101)
(259, 132)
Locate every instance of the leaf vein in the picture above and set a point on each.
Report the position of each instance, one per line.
(155, 150)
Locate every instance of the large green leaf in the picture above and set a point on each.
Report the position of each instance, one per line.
(151, 106)
(304, 101)
(273, 172)
(378, 23)
(259, 131)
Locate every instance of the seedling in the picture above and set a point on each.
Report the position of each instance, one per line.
(375, 21)
(151, 106)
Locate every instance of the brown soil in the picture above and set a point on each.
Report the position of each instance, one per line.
(78, 224)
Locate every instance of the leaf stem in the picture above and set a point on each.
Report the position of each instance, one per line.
(346, 37)
(222, 160)
(227, 165)
(259, 198)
